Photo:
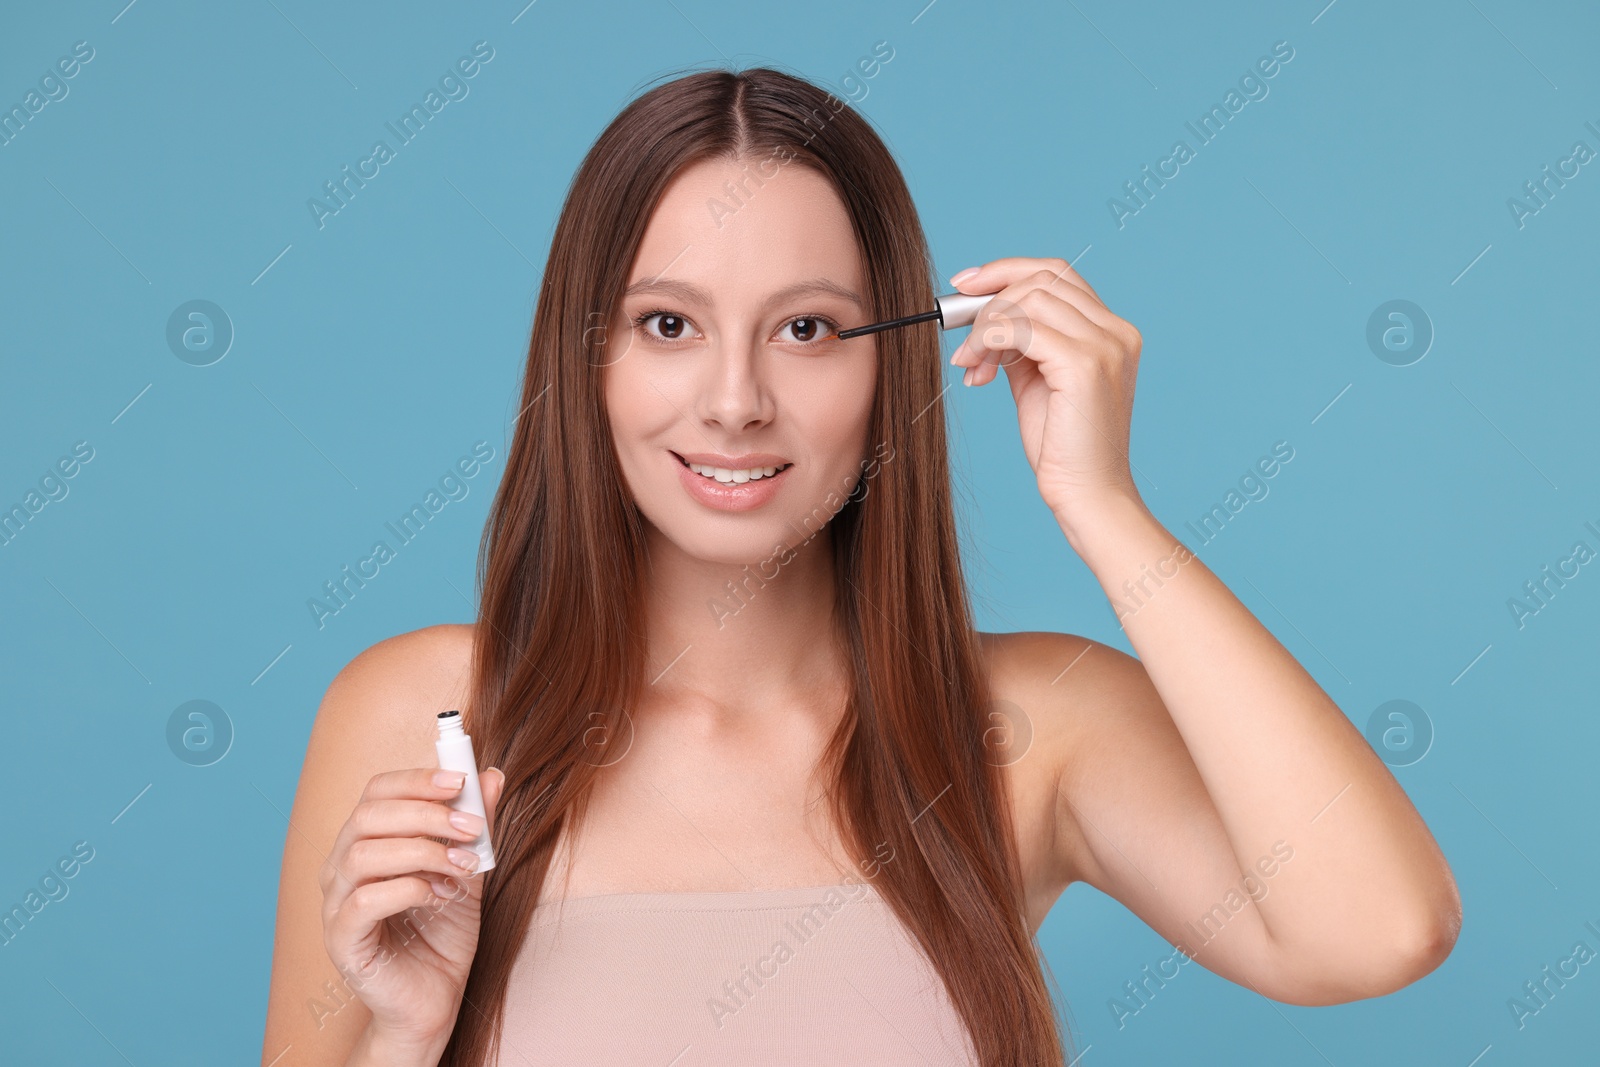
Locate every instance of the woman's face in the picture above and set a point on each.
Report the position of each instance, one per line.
(723, 356)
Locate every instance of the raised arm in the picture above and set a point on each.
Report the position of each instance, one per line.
(1210, 784)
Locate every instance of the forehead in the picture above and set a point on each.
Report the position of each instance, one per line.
(747, 229)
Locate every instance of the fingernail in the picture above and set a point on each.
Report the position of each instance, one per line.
(462, 858)
(963, 275)
(466, 822)
(956, 355)
(966, 379)
(449, 779)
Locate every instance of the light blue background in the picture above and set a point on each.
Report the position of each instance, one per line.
(374, 352)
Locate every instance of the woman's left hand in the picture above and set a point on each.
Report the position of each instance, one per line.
(1071, 364)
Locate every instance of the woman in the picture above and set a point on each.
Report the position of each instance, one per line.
(724, 632)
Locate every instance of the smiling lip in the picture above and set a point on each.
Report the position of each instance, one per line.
(737, 496)
(748, 461)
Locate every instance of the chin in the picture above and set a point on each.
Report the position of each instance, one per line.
(714, 542)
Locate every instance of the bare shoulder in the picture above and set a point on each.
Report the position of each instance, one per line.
(1068, 695)
(377, 715)
(379, 710)
(432, 655)
(1065, 685)
(421, 666)
(1127, 808)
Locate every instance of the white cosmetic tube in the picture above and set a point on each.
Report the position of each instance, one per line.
(455, 754)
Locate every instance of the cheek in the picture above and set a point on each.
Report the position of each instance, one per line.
(627, 410)
(630, 399)
(643, 409)
(831, 416)
(846, 426)
(846, 406)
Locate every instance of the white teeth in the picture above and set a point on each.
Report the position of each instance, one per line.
(732, 477)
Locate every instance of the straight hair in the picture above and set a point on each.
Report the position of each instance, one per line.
(559, 651)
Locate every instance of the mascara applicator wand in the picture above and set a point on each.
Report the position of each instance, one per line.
(951, 310)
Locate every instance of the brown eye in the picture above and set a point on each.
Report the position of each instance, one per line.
(672, 327)
(810, 328)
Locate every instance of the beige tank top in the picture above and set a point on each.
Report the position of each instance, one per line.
(795, 976)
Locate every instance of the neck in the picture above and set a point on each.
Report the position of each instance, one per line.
(743, 641)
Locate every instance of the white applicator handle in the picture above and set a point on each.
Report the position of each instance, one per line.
(455, 754)
(960, 309)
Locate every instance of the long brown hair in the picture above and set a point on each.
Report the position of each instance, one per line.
(559, 651)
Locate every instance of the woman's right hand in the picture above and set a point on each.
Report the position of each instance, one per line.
(399, 916)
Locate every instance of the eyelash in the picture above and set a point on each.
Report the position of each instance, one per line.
(644, 317)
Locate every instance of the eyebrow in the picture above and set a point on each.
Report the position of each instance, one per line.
(694, 294)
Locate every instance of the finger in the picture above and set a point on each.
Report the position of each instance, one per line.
(395, 819)
(998, 273)
(999, 337)
(1023, 365)
(433, 785)
(1058, 292)
(349, 935)
(1005, 328)
(988, 368)
(372, 859)
(421, 783)
(985, 364)
(389, 820)
(1013, 360)
(492, 782)
(375, 859)
(1068, 312)
(1023, 276)
(1070, 274)
(1067, 308)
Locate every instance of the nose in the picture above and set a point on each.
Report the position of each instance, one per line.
(735, 392)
